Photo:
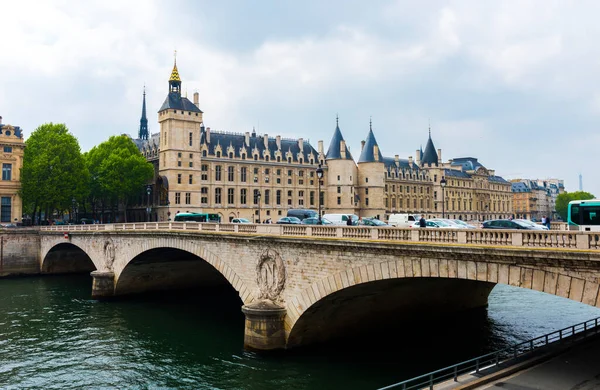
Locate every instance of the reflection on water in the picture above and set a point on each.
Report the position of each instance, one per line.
(53, 336)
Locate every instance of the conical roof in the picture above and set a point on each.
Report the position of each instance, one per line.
(430, 155)
(368, 152)
(334, 151)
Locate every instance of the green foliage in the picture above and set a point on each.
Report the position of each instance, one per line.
(562, 201)
(118, 171)
(53, 170)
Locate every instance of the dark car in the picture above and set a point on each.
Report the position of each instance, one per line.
(302, 213)
(505, 224)
(289, 221)
(315, 221)
(372, 222)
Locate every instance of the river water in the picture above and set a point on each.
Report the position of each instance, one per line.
(52, 336)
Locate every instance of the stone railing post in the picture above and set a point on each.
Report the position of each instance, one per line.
(414, 234)
(339, 232)
(236, 228)
(582, 240)
(309, 231)
(109, 227)
(517, 238)
(374, 234)
(462, 237)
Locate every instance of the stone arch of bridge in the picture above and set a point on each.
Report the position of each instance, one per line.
(220, 264)
(547, 281)
(48, 248)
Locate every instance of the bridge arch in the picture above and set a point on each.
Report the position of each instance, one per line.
(66, 257)
(221, 266)
(459, 276)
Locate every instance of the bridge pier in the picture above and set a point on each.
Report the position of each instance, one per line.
(264, 328)
(103, 285)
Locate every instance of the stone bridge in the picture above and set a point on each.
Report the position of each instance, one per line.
(303, 284)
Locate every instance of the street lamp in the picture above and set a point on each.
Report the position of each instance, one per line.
(148, 190)
(258, 201)
(443, 184)
(319, 177)
(74, 216)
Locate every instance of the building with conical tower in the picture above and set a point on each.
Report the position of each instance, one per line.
(260, 177)
(341, 197)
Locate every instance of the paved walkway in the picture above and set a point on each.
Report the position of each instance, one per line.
(576, 369)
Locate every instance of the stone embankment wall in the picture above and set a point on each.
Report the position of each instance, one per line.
(19, 252)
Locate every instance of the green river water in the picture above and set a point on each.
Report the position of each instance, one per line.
(52, 336)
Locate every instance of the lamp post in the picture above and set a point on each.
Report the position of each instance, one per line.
(148, 190)
(443, 184)
(258, 201)
(319, 177)
(73, 216)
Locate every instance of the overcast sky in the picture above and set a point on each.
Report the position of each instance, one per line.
(513, 83)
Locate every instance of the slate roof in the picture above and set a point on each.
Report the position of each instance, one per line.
(467, 163)
(334, 152)
(456, 173)
(520, 187)
(237, 141)
(175, 101)
(17, 130)
(430, 155)
(367, 154)
(390, 164)
(497, 179)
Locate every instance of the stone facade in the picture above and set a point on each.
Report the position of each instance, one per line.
(11, 159)
(534, 199)
(259, 177)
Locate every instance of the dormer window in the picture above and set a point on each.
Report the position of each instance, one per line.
(218, 154)
(256, 157)
(289, 160)
(204, 153)
(278, 158)
(267, 158)
(230, 154)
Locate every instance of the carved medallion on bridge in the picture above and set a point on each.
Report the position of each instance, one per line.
(109, 253)
(270, 275)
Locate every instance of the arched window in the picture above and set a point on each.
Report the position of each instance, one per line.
(218, 154)
(230, 154)
(204, 153)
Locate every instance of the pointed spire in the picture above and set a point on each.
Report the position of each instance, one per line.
(337, 120)
(335, 146)
(143, 133)
(368, 151)
(370, 123)
(430, 156)
(175, 72)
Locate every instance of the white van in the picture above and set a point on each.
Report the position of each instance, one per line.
(403, 220)
(341, 219)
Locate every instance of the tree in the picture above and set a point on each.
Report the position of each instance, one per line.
(562, 201)
(53, 172)
(118, 172)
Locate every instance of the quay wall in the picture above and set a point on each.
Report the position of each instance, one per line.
(19, 252)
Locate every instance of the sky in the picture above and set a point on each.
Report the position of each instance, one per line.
(512, 83)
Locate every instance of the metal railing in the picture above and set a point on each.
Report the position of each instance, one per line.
(495, 359)
(494, 237)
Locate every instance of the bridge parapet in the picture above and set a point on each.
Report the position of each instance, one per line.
(495, 237)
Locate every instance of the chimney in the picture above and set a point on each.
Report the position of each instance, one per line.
(208, 135)
(343, 149)
(197, 99)
(320, 147)
(278, 142)
(397, 160)
(266, 138)
(376, 152)
(440, 155)
(247, 138)
(418, 154)
(410, 161)
(362, 145)
(301, 144)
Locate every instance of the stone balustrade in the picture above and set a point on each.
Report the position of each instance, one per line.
(494, 237)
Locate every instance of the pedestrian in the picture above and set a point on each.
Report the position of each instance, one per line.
(548, 222)
(349, 221)
(422, 222)
(544, 220)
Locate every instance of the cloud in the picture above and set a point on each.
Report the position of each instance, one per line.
(511, 82)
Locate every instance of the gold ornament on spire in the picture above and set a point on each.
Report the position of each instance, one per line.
(175, 72)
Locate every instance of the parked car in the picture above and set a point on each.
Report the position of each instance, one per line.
(446, 223)
(372, 222)
(341, 219)
(240, 220)
(432, 223)
(289, 221)
(403, 220)
(463, 224)
(534, 225)
(506, 224)
(315, 221)
(302, 213)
